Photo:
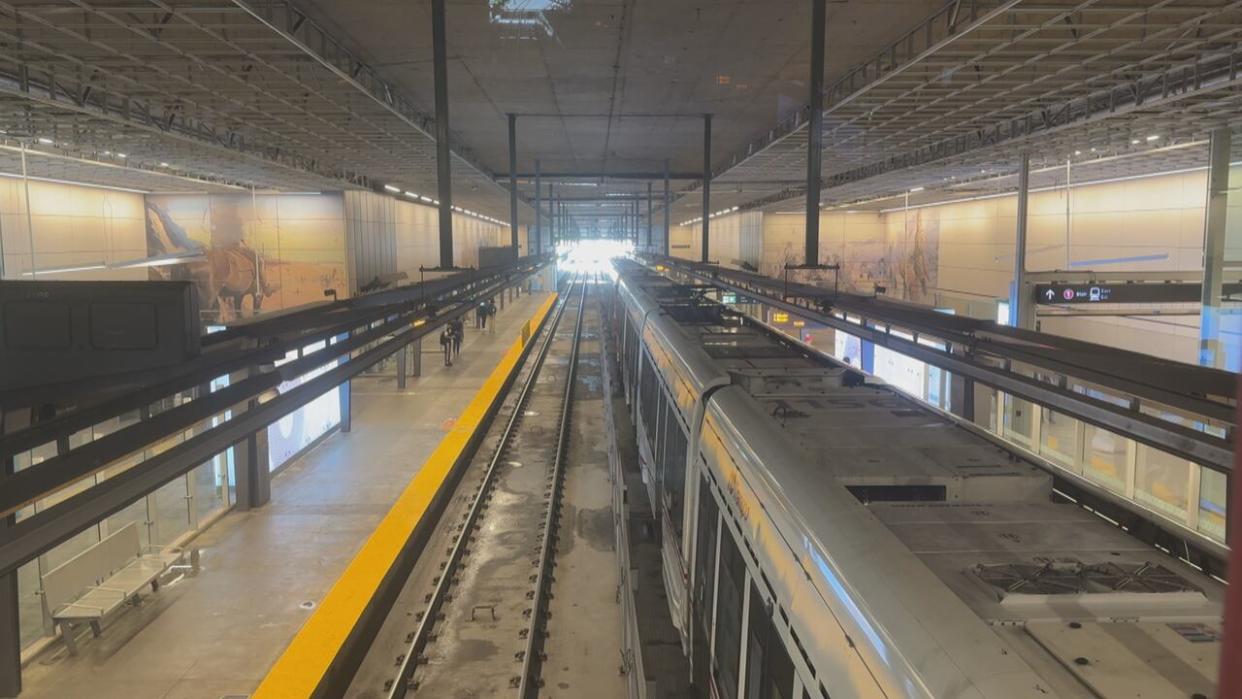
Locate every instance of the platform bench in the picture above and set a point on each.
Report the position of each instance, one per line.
(101, 580)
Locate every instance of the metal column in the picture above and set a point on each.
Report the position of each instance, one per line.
(538, 213)
(635, 222)
(254, 471)
(1214, 232)
(10, 627)
(513, 219)
(403, 356)
(815, 137)
(667, 201)
(1021, 305)
(649, 217)
(444, 176)
(707, 184)
(346, 394)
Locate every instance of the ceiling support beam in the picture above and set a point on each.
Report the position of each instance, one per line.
(815, 136)
(513, 217)
(1214, 234)
(538, 212)
(601, 175)
(10, 628)
(707, 183)
(1021, 304)
(667, 203)
(649, 217)
(444, 175)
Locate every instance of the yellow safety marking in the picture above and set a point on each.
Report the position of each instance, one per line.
(299, 670)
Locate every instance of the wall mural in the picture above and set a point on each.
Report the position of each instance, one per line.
(230, 247)
(917, 255)
(903, 261)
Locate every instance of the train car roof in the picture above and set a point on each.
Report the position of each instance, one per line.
(981, 519)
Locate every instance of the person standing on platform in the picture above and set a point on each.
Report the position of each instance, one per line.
(480, 315)
(491, 313)
(446, 341)
(458, 330)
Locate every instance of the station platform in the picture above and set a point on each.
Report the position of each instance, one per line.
(215, 632)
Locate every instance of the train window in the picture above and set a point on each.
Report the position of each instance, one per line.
(657, 446)
(704, 578)
(648, 398)
(728, 644)
(769, 671)
(674, 468)
(705, 551)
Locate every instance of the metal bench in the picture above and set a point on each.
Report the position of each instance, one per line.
(100, 580)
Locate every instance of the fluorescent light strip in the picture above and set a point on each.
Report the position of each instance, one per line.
(72, 183)
(64, 270)
(1051, 188)
(112, 166)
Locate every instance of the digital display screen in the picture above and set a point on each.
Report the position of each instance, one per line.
(297, 430)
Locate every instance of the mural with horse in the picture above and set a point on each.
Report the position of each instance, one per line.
(247, 254)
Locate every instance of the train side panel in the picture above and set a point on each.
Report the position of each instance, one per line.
(846, 576)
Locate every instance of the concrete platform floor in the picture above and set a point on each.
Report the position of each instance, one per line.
(216, 633)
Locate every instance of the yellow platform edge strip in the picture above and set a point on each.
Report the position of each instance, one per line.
(299, 670)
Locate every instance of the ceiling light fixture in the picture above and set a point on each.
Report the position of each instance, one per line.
(46, 141)
(63, 270)
(390, 188)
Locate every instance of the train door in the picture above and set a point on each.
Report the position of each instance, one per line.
(730, 609)
(769, 670)
(704, 583)
(737, 650)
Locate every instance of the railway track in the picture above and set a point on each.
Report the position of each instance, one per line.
(481, 628)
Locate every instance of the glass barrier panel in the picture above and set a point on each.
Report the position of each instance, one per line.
(1162, 482)
(71, 547)
(1019, 421)
(134, 512)
(1105, 458)
(30, 605)
(1213, 495)
(1058, 438)
(172, 512)
(211, 487)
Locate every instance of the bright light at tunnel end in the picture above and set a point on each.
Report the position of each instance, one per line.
(592, 256)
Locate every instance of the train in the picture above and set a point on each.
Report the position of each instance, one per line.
(825, 536)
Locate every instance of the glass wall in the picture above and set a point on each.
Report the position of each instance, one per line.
(176, 509)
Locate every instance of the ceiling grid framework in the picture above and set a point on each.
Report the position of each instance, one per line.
(232, 93)
(215, 95)
(1064, 80)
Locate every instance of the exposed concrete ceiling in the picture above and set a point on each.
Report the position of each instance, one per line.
(745, 61)
(217, 94)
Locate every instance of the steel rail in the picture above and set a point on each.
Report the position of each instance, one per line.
(423, 633)
(532, 657)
